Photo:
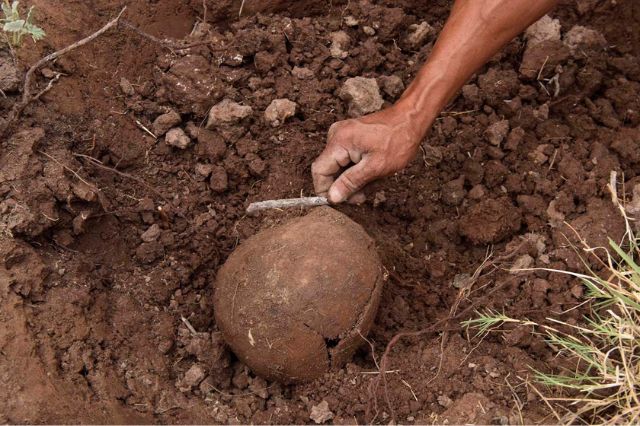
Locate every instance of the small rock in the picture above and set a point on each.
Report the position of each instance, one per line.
(9, 75)
(165, 122)
(392, 85)
(320, 413)
(279, 110)
(453, 192)
(477, 192)
(445, 401)
(219, 181)
(203, 169)
(418, 34)
(523, 262)
(362, 94)
(257, 166)
(151, 234)
(542, 112)
(350, 21)
(233, 60)
(126, 87)
(579, 37)
(210, 145)
(538, 155)
(543, 29)
(577, 291)
(178, 138)
(379, 199)
(462, 280)
(302, 73)
(148, 252)
(496, 132)
(432, 154)
(49, 73)
(471, 93)
(542, 58)
(192, 378)
(340, 42)
(368, 31)
(227, 112)
(84, 191)
(515, 137)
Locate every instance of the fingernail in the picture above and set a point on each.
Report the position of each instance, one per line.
(335, 196)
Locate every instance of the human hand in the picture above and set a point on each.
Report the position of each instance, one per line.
(363, 149)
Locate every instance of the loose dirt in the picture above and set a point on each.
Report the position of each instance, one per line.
(106, 276)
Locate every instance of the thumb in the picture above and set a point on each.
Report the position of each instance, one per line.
(350, 181)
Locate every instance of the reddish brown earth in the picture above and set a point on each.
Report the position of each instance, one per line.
(90, 313)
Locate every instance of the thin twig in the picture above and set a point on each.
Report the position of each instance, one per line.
(146, 130)
(99, 164)
(189, 326)
(286, 203)
(80, 178)
(27, 98)
(164, 43)
(241, 7)
(49, 86)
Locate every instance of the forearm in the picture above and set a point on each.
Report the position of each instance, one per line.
(474, 32)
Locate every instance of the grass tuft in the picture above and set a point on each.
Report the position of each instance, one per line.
(605, 386)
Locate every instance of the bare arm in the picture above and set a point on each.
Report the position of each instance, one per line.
(382, 143)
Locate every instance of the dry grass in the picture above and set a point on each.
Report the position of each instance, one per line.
(605, 386)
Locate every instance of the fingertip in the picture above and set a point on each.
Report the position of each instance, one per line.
(335, 195)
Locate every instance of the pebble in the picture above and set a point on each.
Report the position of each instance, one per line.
(279, 110)
(227, 112)
(219, 181)
(164, 122)
(176, 137)
(362, 95)
(418, 34)
(496, 132)
(543, 29)
(125, 86)
(340, 42)
(192, 377)
(151, 234)
(302, 73)
(392, 85)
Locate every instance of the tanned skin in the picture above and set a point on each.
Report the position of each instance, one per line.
(363, 149)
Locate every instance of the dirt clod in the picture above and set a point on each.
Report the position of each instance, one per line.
(579, 37)
(418, 33)
(292, 301)
(497, 132)
(176, 137)
(219, 181)
(164, 122)
(490, 221)
(320, 413)
(392, 85)
(227, 112)
(545, 28)
(362, 95)
(9, 75)
(279, 110)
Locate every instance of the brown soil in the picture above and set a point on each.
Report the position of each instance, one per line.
(91, 310)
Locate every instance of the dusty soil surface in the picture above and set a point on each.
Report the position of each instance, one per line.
(110, 239)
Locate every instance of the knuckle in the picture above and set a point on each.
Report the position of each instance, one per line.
(349, 182)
